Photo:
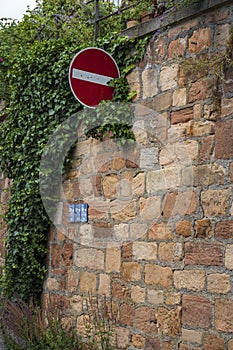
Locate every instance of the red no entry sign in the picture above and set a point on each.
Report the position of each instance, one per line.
(90, 72)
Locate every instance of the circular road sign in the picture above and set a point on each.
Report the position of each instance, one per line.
(90, 72)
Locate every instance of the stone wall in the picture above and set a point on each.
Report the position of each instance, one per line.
(159, 237)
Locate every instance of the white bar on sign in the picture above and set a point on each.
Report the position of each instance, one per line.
(91, 77)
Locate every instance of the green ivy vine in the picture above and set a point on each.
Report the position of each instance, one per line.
(39, 99)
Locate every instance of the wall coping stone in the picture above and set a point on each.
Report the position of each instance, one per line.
(172, 17)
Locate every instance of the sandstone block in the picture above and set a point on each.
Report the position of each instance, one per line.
(181, 203)
(168, 77)
(150, 208)
(200, 40)
(224, 139)
(155, 296)
(190, 279)
(118, 163)
(149, 82)
(121, 232)
(138, 341)
(177, 48)
(209, 174)
(224, 229)
(160, 231)
(120, 291)
(184, 228)
(169, 321)
(182, 116)
(218, 283)
(191, 336)
(113, 259)
(131, 271)
(148, 158)
(163, 101)
(137, 231)
(104, 284)
(215, 202)
(203, 253)
(163, 179)
(170, 251)
(159, 49)
(200, 90)
(145, 320)
(72, 280)
(122, 335)
(55, 255)
(172, 298)
(207, 147)
(87, 282)
(52, 284)
(123, 210)
(230, 345)
(89, 257)
(221, 35)
(127, 251)
(201, 128)
(229, 257)
(202, 316)
(153, 344)
(110, 183)
(213, 342)
(158, 275)
(138, 184)
(223, 315)
(138, 294)
(231, 172)
(144, 250)
(226, 106)
(67, 254)
(76, 303)
(126, 314)
(203, 228)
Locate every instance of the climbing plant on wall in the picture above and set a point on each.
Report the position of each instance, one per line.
(34, 70)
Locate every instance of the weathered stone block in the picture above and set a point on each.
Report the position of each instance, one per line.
(207, 148)
(126, 314)
(229, 257)
(200, 90)
(148, 158)
(144, 250)
(218, 283)
(179, 203)
(224, 140)
(200, 40)
(123, 210)
(120, 291)
(190, 279)
(113, 259)
(149, 82)
(182, 116)
(191, 336)
(131, 271)
(164, 179)
(138, 341)
(213, 342)
(87, 282)
(169, 321)
(203, 228)
(138, 294)
(184, 228)
(170, 251)
(163, 101)
(134, 82)
(201, 317)
(168, 77)
(224, 229)
(155, 296)
(223, 315)
(160, 231)
(215, 202)
(222, 35)
(158, 275)
(201, 128)
(104, 284)
(110, 183)
(209, 174)
(203, 253)
(145, 320)
(89, 257)
(150, 208)
(177, 48)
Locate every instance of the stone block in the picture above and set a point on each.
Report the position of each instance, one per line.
(177, 48)
(149, 82)
(222, 35)
(169, 321)
(150, 208)
(121, 232)
(201, 128)
(163, 102)
(215, 202)
(182, 115)
(223, 315)
(158, 275)
(123, 210)
(224, 229)
(145, 320)
(127, 251)
(126, 314)
(184, 228)
(87, 282)
(190, 279)
(113, 259)
(155, 296)
(76, 304)
(218, 283)
(191, 336)
(67, 254)
(168, 77)
(131, 271)
(158, 50)
(163, 179)
(200, 40)
(148, 158)
(213, 342)
(179, 97)
(229, 257)
(122, 335)
(55, 255)
(209, 174)
(172, 298)
(200, 90)
(160, 231)
(179, 203)
(138, 184)
(226, 106)
(203, 228)
(138, 294)
(231, 172)
(172, 252)
(204, 253)
(52, 284)
(120, 291)
(144, 250)
(104, 284)
(89, 257)
(72, 280)
(110, 183)
(207, 148)
(138, 341)
(196, 311)
(224, 139)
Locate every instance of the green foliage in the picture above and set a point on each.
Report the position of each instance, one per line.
(38, 99)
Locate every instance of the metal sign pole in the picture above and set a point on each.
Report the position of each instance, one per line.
(97, 16)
